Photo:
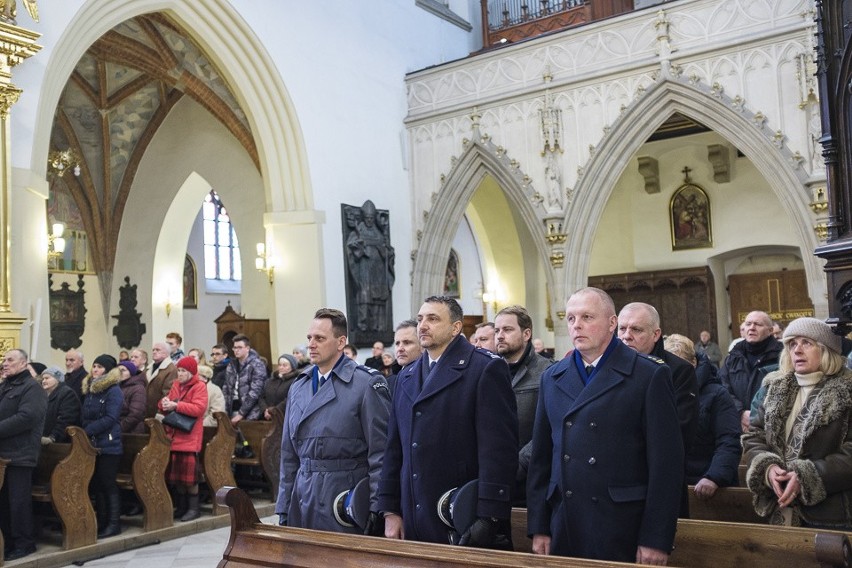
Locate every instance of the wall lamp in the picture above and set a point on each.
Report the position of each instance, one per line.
(263, 262)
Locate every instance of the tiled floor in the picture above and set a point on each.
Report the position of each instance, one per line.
(184, 545)
(196, 551)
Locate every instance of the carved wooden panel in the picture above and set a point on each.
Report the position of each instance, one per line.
(783, 295)
(230, 324)
(685, 298)
(216, 457)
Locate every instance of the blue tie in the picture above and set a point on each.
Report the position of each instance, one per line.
(432, 365)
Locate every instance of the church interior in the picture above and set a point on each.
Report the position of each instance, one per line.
(201, 167)
(667, 151)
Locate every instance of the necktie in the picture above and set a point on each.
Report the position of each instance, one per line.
(589, 369)
(322, 381)
(432, 365)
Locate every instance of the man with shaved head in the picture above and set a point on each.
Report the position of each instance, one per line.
(749, 361)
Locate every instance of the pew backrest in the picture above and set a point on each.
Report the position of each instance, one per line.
(143, 469)
(217, 448)
(62, 478)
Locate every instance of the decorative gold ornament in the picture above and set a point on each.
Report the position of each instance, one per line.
(9, 95)
(557, 259)
(820, 203)
(821, 230)
(9, 11)
(555, 234)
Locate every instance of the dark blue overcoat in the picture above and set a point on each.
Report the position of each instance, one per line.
(607, 460)
(462, 426)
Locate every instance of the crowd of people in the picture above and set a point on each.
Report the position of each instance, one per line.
(601, 447)
(114, 397)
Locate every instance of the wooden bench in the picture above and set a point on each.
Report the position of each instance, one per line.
(264, 439)
(731, 504)
(216, 451)
(143, 470)
(698, 544)
(62, 478)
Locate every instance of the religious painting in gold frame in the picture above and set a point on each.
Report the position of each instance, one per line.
(452, 286)
(190, 284)
(689, 216)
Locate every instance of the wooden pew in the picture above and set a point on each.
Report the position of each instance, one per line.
(262, 437)
(143, 470)
(699, 544)
(731, 504)
(742, 471)
(62, 478)
(216, 452)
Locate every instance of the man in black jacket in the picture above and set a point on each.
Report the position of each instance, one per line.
(76, 372)
(749, 361)
(22, 409)
(639, 329)
(220, 359)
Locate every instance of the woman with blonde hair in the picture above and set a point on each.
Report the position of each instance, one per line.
(799, 444)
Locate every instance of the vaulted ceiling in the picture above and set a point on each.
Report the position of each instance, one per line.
(119, 94)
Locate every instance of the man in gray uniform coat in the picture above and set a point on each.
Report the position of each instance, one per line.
(335, 429)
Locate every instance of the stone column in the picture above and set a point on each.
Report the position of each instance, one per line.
(16, 44)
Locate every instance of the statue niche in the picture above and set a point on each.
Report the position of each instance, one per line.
(129, 329)
(369, 273)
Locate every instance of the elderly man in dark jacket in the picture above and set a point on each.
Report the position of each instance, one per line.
(513, 337)
(22, 409)
(749, 361)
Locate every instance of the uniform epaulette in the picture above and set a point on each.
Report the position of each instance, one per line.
(370, 370)
(653, 358)
(487, 352)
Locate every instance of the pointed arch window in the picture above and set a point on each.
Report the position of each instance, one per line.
(221, 248)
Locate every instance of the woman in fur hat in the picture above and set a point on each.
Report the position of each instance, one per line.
(188, 396)
(799, 444)
(101, 415)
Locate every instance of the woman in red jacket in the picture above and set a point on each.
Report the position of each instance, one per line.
(188, 395)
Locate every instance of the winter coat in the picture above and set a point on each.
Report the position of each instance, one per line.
(742, 379)
(462, 425)
(135, 403)
(711, 351)
(824, 464)
(275, 391)
(63, 410)
(191, 397)
(604, 475)
(22, 407)
(159, 385)
(215, 403)
(74, 380)
(101, 413)
(220, 372)
(331, 441)
(247, 379)
(715, 454)
(686, 392)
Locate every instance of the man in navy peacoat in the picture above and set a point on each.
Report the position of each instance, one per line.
(449, 426)
(606, 469)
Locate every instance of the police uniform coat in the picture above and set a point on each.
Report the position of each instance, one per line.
(462, 426)
(331, 440)
(601, 479)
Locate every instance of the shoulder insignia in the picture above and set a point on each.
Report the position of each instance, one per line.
(381, 387)
(370, 370)
(485, 352)
(655, 359)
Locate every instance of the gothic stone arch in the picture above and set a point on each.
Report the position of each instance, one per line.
(480, 158)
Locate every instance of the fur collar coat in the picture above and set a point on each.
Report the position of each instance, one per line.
(824, 463)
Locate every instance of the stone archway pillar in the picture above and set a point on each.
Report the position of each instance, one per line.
(292, 237)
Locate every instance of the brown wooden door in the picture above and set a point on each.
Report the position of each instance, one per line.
(783, 295)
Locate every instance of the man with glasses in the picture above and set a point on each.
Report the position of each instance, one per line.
(244, 380)
(221, 359)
